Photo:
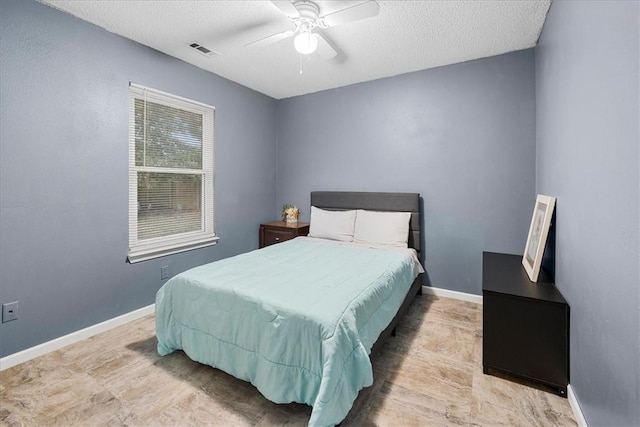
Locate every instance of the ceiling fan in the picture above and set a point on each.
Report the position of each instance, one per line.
(305, 15)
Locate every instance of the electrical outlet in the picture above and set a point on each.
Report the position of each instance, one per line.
(164, 272)
(9, 311)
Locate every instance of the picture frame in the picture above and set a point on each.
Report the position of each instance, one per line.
(537, 238)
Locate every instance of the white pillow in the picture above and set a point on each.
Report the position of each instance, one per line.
(382, 228)
(334, 225)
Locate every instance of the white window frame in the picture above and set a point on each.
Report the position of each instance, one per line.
(141, 250)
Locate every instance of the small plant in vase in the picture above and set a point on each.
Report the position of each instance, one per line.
(290, 214)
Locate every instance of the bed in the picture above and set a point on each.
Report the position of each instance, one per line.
(298, 319)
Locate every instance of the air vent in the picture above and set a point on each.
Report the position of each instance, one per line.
(203, 50)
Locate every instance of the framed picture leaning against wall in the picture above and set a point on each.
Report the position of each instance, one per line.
(537, 239)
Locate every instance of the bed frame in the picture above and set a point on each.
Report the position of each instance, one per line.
(389, 202)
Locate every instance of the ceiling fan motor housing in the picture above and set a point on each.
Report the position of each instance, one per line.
(308, 18)
(307, 9)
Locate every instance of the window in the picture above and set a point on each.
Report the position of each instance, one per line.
(170, 174)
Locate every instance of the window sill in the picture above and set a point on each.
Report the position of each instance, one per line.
(144, 254)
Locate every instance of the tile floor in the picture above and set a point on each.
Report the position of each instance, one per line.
(429, 374)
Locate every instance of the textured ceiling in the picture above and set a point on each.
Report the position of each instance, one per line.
(405, 36)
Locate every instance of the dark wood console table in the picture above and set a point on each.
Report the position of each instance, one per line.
(525, 324)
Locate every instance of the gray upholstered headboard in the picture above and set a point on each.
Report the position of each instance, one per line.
(391, 202)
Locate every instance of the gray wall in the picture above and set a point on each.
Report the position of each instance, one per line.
(63, 170)
(463, 136)
(587, 91)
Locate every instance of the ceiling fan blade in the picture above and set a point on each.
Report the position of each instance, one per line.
(353, 13)
(286, 7)
(271, 39)
(325, 50)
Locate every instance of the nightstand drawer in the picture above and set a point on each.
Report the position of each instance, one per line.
(279, 231)
(276, 236)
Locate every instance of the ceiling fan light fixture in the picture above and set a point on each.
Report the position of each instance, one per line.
(305, 43)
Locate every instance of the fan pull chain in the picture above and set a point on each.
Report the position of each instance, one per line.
(302, 61)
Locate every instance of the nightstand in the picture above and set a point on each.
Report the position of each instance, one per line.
(280, 231)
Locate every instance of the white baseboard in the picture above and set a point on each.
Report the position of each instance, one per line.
(439, 292)
(575, 407)
(49, 346)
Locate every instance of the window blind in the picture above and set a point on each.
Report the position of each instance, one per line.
(171, 189)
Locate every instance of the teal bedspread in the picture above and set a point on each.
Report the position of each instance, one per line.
(297, 319)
